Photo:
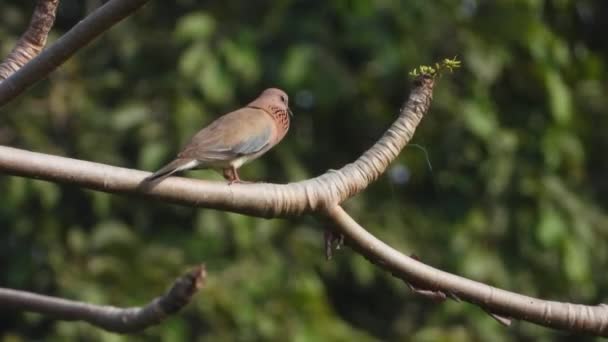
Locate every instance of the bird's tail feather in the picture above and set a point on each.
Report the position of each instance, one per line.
(177, 165)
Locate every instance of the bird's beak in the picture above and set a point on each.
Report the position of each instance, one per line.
(290, 112)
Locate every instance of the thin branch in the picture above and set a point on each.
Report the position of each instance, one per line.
(33, 39)
(80, 35)
(502, 305)
(122, 320)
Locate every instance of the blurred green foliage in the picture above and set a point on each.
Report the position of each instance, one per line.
(517, 196)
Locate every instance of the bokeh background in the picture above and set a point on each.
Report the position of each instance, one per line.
(516, 196)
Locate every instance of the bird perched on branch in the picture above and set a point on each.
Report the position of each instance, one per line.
(234, 138)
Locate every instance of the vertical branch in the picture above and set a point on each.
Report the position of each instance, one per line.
(33, 39)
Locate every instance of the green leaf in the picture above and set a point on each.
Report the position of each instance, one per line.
(479, 119)
(215, 83)
(559, 146)
(551, 228)
(153, 155)
(241, 59)
(576, 261)
(193, 59)
(110, 234)
(195, 26)
(48, 193)
(298, 64)
(129, 115)
(560, 99)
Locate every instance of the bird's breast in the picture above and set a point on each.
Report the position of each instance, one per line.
(281, 119)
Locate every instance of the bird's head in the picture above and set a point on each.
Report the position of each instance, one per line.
(272, 99)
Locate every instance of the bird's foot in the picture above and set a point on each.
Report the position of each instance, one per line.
(232, 176)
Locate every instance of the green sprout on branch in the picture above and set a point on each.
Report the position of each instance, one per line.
(448, 64)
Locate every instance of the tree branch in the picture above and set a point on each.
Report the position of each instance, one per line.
(261, 199)
(33, 40)
(321, 194)
(122, 320)
(80, 35)
(501, 304)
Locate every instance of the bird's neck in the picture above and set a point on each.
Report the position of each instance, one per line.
(280, 117)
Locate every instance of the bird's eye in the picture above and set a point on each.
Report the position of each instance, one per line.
(284, 99)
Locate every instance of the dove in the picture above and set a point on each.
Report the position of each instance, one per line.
(234, 138)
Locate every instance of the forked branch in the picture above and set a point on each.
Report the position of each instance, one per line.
(322, 195)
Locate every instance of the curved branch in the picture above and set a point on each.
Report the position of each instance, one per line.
(499, 303)
(263, 200)
(80, 35)
(109, 317)
(33, 39)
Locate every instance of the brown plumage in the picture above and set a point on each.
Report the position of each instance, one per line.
(235, 138)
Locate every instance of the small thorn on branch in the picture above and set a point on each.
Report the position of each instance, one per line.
(333, 241)
(504, 320)
(454, 297)
(432, 294)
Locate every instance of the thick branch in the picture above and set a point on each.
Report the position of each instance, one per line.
(264, 200)
(108, 317)
(80, 35)
(572, 317)
(33, 39)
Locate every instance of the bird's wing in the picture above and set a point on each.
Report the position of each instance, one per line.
(243, 132)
